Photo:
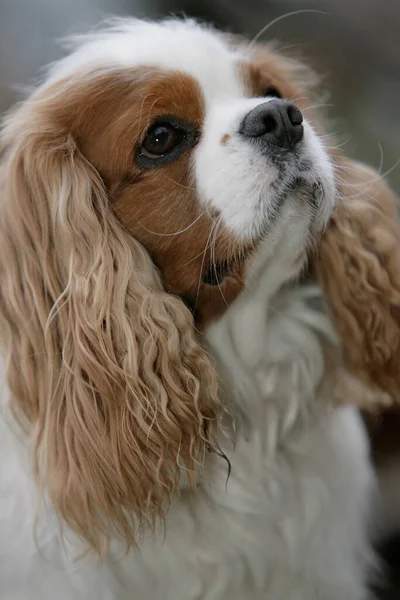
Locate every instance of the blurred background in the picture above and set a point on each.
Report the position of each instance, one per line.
(356, 46)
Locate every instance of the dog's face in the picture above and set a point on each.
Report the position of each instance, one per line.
(135, 186)
(204, 150)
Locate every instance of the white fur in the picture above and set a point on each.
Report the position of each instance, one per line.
(290, 523)
(233, 178)
(236, 178)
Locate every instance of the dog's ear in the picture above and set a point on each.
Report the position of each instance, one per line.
(358, 267)
(104, 367)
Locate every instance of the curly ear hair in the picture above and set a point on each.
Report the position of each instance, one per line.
(104, 367)
(358, 267)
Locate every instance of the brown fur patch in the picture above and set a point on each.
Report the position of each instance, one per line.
(295, 81)
(109, 117)
(225, 139)
(358, 266)
(269, 70)
(264, 72)
(105, 368)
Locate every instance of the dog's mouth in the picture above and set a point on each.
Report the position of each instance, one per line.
(309, 189)
(305, 185)
(313, 189)
(217, 273)
(228, 268)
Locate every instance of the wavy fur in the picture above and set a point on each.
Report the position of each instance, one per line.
(103, 365)
(358, 267)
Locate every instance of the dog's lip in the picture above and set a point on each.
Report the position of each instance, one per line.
(318, 189)
(228, 268)
(217, 273)
(313, 186)
(305, 181)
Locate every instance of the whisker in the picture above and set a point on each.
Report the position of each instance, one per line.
(202, 265)
(329, 135)
(369, 181)
(338, 146)
(214, 263)
(175, 232)
(380, 147)
(313, 106)
(281, 18)
(152, 106)
(296, 98)
(291, 46)
(200, 253)
(186, 187)
(141, 112)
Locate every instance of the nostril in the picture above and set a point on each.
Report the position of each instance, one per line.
(275, 122)
(294, 114)
(270, 124)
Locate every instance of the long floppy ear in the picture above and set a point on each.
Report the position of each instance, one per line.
(358, 267)
(104, 366)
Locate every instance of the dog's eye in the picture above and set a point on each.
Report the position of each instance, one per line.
(272, 92)
(161, 139)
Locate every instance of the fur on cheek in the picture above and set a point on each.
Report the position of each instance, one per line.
(358, 267)
(104, 366)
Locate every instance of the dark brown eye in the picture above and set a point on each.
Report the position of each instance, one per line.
(161, 139)
(272, 92)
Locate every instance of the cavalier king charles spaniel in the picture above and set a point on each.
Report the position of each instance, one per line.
(187, 428)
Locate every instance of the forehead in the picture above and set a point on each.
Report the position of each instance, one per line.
(184, 46)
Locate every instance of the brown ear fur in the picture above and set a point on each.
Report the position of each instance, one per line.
(104, 366)
(358, 267)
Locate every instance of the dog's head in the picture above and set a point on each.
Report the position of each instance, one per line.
(136, 183)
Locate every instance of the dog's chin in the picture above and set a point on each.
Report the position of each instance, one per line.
(300, 200)
(299, 195)
(309, 189)
(301, 206)
(310, 192)
(306, 187)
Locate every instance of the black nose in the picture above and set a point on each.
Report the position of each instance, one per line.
(275, 122)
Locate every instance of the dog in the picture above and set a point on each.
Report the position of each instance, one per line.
(171, 403)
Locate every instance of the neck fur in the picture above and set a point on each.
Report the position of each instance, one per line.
(271, 351)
